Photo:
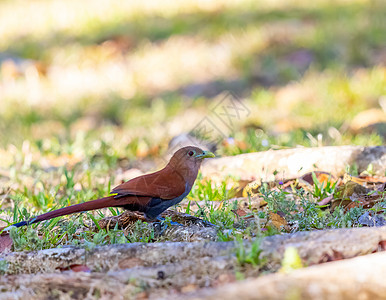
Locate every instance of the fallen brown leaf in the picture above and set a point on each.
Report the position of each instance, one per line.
(382, 246)
(326, 200)
(251, 188)
(278, 221)
(239, 212)
(5, 243)
(75, 268)
(323, 177)
(350, 193)
(336, 255)
(376, 180)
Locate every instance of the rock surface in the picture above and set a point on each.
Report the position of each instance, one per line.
(290, 163)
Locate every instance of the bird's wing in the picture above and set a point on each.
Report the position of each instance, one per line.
(165, 184)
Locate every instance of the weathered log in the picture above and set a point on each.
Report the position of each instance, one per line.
(118, 284)
(112, 257)
(356, 278)
(312, 247)
(290, 163)
(121, 271)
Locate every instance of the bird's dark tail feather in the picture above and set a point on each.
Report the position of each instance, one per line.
(20, 224)
(81, 207)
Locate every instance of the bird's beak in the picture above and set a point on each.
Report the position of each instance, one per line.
(205, 154)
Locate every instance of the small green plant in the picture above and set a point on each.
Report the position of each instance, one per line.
(341, 218)
(311, 216)
(141, 232)
(278, 200)
(167, 221)
(103, 237)
(250, 256)
(370, 170)
(26, 239)
(352, 170)
(225, 236)
(70, 182)
(322, 190)
(380, 206)
(3, 266)
(224, 217)
(187, 210)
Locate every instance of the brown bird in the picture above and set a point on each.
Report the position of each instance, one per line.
(151, 193)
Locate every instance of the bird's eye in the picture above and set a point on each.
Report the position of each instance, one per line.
(191, 153)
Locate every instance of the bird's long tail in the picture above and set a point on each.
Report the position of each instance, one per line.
(81, 207)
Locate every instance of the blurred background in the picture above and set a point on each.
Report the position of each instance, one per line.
(103, 85)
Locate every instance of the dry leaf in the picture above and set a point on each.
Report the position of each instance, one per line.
(336, 255)
(347, 178)
(75, 268)
(278, 221)
(350, 193)
(239, 212)
(323, 177)
(220, 205)
(375, 180)
(381, 187)
(366, 201)
(238, 192)
(326, 200)
(251, 188)
(382, 246)
(5, 243)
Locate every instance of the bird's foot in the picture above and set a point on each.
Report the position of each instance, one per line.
(168, 221)
(207, 223)
(161, 224)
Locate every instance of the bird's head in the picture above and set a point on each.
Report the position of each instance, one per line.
(188, 160)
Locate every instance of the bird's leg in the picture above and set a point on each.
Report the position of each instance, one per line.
(160, 220)
(160, 224)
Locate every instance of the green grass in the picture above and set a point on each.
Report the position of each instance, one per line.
(299, 208)
(251, 256)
